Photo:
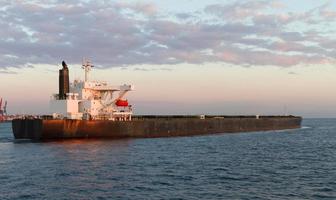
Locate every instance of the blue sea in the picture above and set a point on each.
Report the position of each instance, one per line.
(291, 164)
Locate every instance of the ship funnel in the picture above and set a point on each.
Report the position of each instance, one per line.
(63, 81)
(64, 64)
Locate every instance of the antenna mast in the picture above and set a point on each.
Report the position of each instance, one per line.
(87, 67)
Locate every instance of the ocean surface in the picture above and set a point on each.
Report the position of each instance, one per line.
(293, 164)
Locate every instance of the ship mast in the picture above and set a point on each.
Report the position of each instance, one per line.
(87, 67)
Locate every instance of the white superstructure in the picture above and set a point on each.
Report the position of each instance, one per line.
(92, 100)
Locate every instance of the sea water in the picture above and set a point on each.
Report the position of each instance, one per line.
(290, 164)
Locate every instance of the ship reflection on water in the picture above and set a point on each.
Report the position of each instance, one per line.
(90, 149)
(84, 162)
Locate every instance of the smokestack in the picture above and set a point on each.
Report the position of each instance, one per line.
(63, 81)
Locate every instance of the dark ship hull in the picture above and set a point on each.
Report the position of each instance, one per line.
(149, 126)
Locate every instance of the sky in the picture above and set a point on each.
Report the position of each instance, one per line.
(265, 57)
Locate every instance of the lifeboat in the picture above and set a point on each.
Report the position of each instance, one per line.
(122, 103)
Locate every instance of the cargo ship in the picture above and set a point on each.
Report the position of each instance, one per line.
(93, 109)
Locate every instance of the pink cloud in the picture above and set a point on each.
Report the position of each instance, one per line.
(113, 34)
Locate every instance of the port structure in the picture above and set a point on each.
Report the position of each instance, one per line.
(3, 110)
(90, 100)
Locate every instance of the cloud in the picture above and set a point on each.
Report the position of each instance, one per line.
(325, 11)
(292, 73)
(146, 69)
(239, 10)
(120, 34)
(7, 72)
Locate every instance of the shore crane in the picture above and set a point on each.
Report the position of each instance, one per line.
(3, 110)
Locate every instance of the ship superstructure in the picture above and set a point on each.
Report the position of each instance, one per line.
(90, 100)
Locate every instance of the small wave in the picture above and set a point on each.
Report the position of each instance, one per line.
(293, 130)
(232, 178)
(221, 169)
(305, 127)
(325, 189)
(6, 140)
(19, 141)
